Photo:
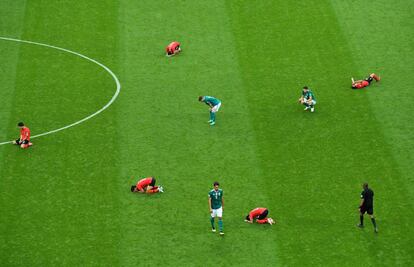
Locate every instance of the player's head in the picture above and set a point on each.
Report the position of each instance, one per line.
(200, 98)
(305, 88)
(216, 185)
(365, 185)
(20, 124)
(133, 188)
(354, 85)
(248, 217)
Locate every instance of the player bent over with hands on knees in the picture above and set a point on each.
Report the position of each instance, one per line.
(260, 215)
(359, 84)
(216, 203)
(308, 99)
(214, 105)
(24, 139)
(172, 49)
(146, 185)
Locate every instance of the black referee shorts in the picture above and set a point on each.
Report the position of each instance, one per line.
(263, 215)
(369, 210)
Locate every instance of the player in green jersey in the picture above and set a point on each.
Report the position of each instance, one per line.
(216, 203)
(214, 105)
(308, 99)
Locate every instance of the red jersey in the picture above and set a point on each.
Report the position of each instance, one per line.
(144, 183)
(256, 212)
(172, 47)
(361, 84)
(25, 134)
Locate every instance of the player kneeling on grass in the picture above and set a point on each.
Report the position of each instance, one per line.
(24, 140)
(260, 215)
(173, 48)
(214, 105)
(366, 82)
(146, 185)
(308, 99)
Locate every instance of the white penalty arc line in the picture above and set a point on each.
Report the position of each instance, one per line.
(118, 85)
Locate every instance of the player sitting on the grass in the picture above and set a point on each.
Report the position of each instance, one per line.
(214, 105)
(173, 48)
(308, 99)
(260, 215)
(366, 82)
(146, 185)
(24, 140)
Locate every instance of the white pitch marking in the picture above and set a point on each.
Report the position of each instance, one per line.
(118, 85)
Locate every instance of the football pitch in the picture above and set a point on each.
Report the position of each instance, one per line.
(66, 200)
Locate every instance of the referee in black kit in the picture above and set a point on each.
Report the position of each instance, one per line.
(367, 205)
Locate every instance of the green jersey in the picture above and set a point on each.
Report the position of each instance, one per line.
(216, 198)
(308, 95)
(211, 100)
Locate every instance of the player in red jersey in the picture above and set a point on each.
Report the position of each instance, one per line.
(146, 185)
(366, 82)
(260, 214)
(24, 140)
(173, 48)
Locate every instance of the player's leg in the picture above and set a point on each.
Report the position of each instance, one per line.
(212, 117)
(17, 142)
(262, 221)
(220, 220)
(213, 214)
(370, 212)
(24, 144)
(361, 217)
(312, 105)
(376, 77)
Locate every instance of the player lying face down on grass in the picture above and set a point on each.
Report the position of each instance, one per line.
(214, 105)
(24, 139)
(146, 185)
(359, 84)
(308, 99)
(172, 49)
(260, 215)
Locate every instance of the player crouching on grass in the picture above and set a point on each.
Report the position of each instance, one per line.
(308, 99)
(260, 215)
(146, 185)
(366, 82)
(172, 49)
(214, 105)
(24, 140)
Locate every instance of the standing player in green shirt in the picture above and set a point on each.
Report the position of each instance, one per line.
(308, 99)
(216, 203)
(214, 105)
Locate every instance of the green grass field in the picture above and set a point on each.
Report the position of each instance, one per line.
(66, 200)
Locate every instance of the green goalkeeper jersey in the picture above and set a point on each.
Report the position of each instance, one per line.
(211, 100)
(216, 198)
(308, 95)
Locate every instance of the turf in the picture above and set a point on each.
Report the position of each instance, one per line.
(66, 200)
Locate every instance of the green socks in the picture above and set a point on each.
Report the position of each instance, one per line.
(212, 116)
(212, 222)
(220, 223)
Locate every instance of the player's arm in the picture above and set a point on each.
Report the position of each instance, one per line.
(362, 201)
(222, 203)
(209, 204)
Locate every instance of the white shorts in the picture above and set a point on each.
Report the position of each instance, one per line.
(216, 108)
(217, 213)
